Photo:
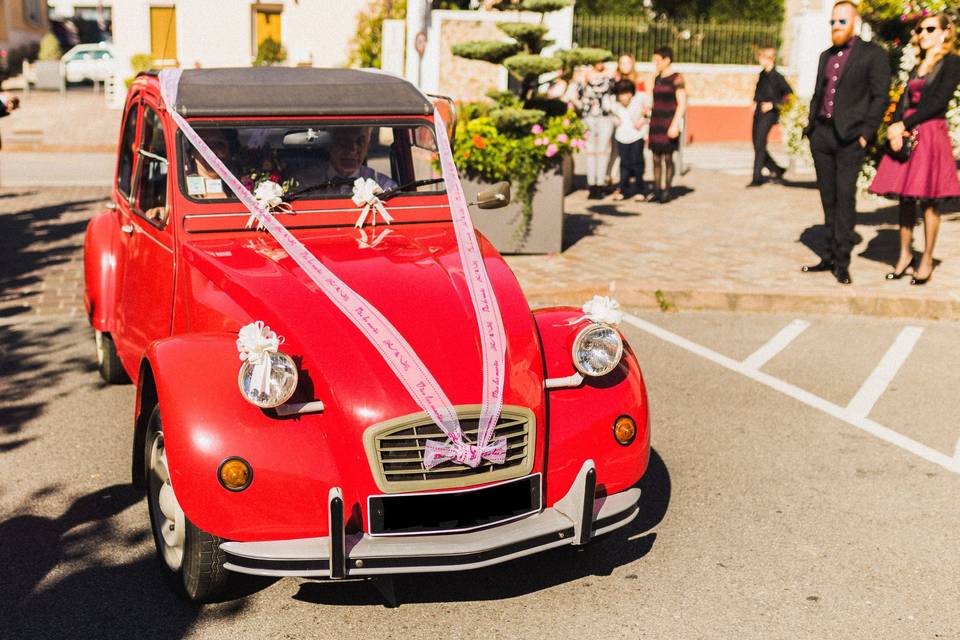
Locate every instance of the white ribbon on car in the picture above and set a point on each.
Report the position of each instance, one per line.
(393, 347)
(601, 309)
(365, 242)
(256, 343)
(365, 192)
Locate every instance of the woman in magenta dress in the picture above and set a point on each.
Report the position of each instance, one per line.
(929, 176)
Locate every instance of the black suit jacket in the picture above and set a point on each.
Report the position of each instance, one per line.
(862, 92)
(937, 92)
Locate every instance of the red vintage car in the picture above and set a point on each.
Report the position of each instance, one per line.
(321, 473)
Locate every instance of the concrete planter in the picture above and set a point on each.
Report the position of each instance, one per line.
(503, 227)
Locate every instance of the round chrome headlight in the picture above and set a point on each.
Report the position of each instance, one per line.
(597, 350)
(282, 384)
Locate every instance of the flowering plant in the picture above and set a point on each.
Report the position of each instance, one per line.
(491, 147)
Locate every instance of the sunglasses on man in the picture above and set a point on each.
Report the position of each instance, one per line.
(920, 30)
(842, 22)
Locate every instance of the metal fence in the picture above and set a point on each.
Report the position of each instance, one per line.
(691, 41)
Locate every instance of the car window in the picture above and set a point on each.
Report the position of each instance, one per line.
(314, 160)
(152, 169)
(126, 157)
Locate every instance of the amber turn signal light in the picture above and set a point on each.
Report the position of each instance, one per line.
(624, 430)
(235, 474)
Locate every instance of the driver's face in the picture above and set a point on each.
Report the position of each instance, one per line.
(348, 149)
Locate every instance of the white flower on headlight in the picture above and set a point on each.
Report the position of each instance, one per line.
(597, 350)
(267, 377)
(603, 309)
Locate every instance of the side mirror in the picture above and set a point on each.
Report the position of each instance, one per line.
(447, 109)
(495, 197)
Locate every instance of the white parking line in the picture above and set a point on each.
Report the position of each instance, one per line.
(874, 386)
(776, 344)
(864, 424)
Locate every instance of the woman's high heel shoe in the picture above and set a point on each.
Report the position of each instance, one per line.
(920, 281)
(896, 275)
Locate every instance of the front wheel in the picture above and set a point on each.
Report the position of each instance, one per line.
(192, 557)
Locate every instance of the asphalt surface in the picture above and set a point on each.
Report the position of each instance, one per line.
(763, 516)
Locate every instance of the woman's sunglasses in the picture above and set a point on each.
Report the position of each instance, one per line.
(920, 30)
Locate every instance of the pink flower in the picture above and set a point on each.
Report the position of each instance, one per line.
(536, 129)
(562, 138)
(566, 122)
(545, 140)
(551, 151)
(577, 143)
(537, 142)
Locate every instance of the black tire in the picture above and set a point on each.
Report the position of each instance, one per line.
(200, 576)
(108, 363)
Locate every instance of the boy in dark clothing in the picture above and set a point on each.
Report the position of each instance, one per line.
(772, 90)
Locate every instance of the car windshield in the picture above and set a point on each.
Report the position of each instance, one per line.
(312, 161)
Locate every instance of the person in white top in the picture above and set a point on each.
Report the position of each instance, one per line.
(631, 112)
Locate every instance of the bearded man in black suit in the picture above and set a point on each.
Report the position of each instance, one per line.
(851, 96)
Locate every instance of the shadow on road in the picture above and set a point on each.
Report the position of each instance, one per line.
(61, 577)
(525, 575)
(29, 363)
(32, 240)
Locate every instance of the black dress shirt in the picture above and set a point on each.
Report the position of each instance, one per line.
(771, 87)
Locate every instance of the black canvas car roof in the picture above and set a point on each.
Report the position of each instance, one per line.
(296, 91)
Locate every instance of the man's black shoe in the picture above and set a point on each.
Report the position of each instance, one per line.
(823, 265)
(842, 274)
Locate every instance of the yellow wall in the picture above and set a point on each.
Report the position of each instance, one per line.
(267, 24)
(163, 35)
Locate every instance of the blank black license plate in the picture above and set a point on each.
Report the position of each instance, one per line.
(452, 511)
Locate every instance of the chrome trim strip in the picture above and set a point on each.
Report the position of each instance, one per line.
(299, 408)
(191, 216)
(564, 383)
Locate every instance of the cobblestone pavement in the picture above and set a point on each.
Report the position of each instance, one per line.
(722, 246)
(41, 249)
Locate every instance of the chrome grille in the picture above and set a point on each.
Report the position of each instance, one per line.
(396, 451)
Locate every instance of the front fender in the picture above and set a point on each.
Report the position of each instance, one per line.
(101, 260)
(206, 420)
(582, 418)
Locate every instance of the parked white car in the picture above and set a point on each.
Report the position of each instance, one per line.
(88, 62)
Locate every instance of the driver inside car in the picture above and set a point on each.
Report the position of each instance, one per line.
(347, 151)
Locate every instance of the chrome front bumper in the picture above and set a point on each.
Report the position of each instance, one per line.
(575, 519)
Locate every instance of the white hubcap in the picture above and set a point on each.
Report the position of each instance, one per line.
(166, 507)
(99, 338)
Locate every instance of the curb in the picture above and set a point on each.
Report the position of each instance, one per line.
(750, 301)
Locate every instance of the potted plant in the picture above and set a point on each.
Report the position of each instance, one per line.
(520, 135)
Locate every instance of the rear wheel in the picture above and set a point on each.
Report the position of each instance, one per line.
(191, 556)
(108, 363)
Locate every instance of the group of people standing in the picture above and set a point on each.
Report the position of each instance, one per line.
(850, 101)
(621, 113)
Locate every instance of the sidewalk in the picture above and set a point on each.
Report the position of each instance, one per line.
(722, 246)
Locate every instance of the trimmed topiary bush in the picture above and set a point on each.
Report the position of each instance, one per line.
(494, 51)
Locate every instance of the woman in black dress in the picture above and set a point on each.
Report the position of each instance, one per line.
(669, 107)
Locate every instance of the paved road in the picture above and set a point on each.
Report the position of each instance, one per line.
(764, 514)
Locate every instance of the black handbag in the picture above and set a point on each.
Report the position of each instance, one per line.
(904, 154)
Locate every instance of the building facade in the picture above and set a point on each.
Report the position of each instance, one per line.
(22, 23)
(226, 33)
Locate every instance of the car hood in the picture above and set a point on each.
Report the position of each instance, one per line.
(413, 276)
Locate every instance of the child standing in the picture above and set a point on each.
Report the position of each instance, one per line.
(631, 112)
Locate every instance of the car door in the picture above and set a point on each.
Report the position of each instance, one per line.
(146, 295)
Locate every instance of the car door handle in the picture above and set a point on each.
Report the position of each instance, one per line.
(127, 229)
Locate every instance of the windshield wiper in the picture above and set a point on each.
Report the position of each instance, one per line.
(333, 182)
(410, 185)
